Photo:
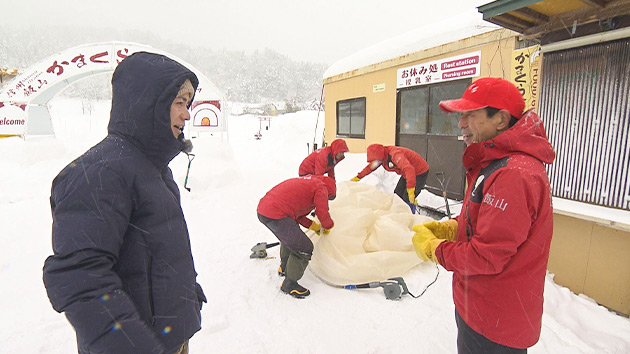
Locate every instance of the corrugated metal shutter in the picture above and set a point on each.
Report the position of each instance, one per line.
(585, 107)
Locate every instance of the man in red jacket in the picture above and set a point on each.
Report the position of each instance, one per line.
(323, 161)
(498, 247)
(412, 168)
(282, 208)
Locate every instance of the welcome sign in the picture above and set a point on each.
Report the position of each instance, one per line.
(23, 100)
(12, 119)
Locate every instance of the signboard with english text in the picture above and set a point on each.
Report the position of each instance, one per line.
(12, 119)
(451, 68)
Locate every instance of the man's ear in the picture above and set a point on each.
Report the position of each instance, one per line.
(504, 122)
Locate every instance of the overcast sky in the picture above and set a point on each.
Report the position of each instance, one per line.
(319, 31)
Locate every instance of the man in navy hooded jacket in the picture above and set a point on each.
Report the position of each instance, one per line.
(122, 268)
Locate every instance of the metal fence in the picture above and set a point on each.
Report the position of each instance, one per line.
(585, 107)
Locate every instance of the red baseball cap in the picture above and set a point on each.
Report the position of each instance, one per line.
(488, 92)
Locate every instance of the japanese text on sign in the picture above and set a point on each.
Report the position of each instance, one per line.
(525, 73)
(452, 68)
(39, 79)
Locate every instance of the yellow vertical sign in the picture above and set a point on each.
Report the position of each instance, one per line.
(526, 74)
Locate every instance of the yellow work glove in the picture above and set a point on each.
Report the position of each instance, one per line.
(445, 230)
(355, 179)
(425, 243)
(411, 193)
(325, 231)
(315, 227)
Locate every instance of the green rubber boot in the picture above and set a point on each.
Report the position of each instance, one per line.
(284, 258)
(296, 265)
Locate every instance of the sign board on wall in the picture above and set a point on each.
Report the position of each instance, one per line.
(378, 87)
(525, 74)
(447, 69)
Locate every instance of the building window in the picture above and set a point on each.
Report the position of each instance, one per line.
(420, 112)
(413, 110)
(440, 122)
(351, 118)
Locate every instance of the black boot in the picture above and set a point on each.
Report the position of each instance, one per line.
(294, 289)
(296, 265)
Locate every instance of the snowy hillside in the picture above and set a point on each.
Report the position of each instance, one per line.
(246, 312)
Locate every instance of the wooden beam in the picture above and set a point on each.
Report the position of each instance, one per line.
(532, 15)
(497, 21)
(582, 16)
(595, 3)
(515, 21)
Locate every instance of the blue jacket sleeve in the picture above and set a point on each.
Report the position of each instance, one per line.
(91, 208)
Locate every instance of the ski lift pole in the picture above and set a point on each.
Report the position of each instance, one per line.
(321, 97)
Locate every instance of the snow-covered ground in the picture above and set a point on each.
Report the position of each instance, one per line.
(246, 312)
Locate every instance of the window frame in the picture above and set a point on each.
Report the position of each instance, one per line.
(350, 134)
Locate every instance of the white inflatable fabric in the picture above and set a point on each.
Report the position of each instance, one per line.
(371, 240)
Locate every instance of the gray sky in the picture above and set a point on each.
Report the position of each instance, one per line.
(320, 31)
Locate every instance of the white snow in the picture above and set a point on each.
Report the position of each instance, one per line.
(603, 215)
(246, 312)
(466, 23)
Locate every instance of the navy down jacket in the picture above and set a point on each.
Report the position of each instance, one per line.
(122, 268)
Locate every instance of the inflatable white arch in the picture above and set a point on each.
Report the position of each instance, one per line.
(24, 100)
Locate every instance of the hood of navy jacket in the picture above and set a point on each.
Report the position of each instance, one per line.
(143, 87)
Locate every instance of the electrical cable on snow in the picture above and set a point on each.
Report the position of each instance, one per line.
(427, 287)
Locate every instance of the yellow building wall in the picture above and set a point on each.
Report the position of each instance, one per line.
(496, 48)
(593, 260)
(380, 114)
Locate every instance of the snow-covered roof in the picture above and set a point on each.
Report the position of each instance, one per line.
(431, 35)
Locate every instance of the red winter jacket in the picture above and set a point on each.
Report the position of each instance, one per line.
(322, 160)
(499, 260)
(296, 197)
(403, 161)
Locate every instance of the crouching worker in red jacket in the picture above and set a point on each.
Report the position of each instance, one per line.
(412, 168)
(282, 208)
(323, 161)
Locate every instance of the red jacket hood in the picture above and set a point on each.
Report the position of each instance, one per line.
(527, 136)
(376, 152)
(337, 146)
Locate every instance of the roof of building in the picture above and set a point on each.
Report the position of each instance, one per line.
(452, 29)
(534, 18)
